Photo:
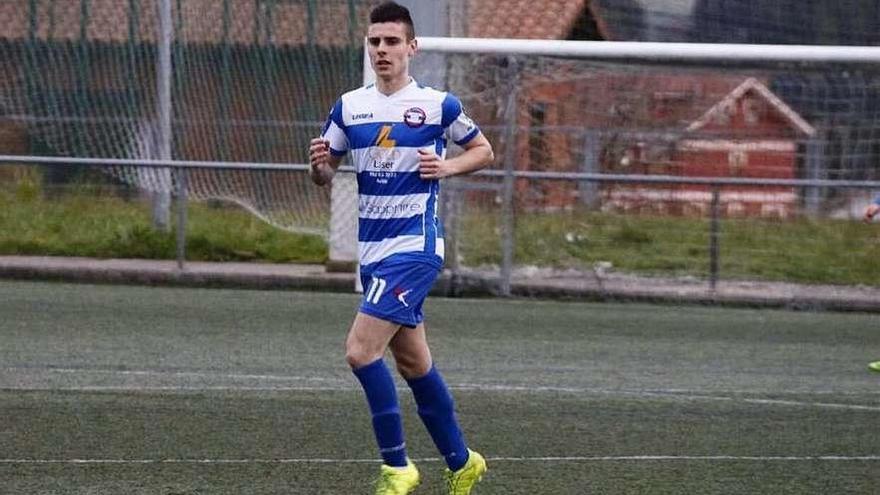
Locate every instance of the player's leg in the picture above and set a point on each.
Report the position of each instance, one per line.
(411, 354)
(392, 294)
(364, 349)
(402, 289)
(436, 408)
(435, 404)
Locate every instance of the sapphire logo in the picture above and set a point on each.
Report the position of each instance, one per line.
(380, 209)
(415, 117)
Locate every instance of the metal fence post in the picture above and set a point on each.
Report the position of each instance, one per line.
(451, 206)
(507, 208)
(589, 191)
(714, 238)
(814, 169)
(181, 216)
(162, 197)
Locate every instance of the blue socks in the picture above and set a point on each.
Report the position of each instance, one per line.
(437, 410)
(387, 423)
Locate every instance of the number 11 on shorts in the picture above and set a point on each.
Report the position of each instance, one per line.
(377, 287)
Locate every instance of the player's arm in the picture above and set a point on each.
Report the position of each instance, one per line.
(872, 210)
(323, 163)
(326, 151)
(477, 154)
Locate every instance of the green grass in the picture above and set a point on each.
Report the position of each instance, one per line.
(94, 224)
(799, 250)
(563, 398)
(88, 223)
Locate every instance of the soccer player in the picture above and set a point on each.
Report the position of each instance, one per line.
(870, 212)
(397, 133)
(872, 209)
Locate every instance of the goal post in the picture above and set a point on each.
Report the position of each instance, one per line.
(654, 51)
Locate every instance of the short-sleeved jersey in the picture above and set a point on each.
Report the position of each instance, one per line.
(397, 210)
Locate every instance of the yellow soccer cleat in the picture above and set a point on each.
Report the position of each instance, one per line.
(461, 482)
(875, 366)
(397, 481)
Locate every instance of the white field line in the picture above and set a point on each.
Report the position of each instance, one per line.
(346, 384)
(671, 394)
(336, 384)
(621, 458)
(192, 374)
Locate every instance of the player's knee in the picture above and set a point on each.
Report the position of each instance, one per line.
(358, 358)
(412, 368)
(354, 360)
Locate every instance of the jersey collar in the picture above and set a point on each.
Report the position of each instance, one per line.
(412, 82)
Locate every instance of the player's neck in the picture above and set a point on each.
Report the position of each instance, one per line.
(391, 86)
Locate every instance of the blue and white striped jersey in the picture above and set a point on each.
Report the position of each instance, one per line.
(397, 209)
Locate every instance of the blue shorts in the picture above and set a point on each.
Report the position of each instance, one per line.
(395, 290)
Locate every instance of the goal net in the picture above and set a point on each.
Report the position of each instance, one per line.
(683, 114)
(250, 81)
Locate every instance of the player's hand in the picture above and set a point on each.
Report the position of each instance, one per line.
(319, 159)
(431, 167)
(871, 211)
(319, 152)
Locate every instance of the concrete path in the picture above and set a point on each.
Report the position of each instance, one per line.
(526, 282)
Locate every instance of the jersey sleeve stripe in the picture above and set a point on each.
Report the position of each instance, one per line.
(336, 136)
(336, 115)
(451, 109)
(468, 137)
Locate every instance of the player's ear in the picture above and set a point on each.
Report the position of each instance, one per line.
(413, 47)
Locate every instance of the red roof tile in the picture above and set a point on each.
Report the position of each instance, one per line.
(523, 19)
(202, 20)
(198, 21)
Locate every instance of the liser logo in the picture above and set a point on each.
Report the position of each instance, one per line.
(361, 116)
(383, 158)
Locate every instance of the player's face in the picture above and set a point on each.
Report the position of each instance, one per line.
(389, 50)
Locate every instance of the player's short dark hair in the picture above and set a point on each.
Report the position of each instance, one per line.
(393, 12)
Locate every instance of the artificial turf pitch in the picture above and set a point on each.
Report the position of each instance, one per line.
(114, 389)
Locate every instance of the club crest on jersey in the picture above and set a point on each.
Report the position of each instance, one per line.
(415, 117)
